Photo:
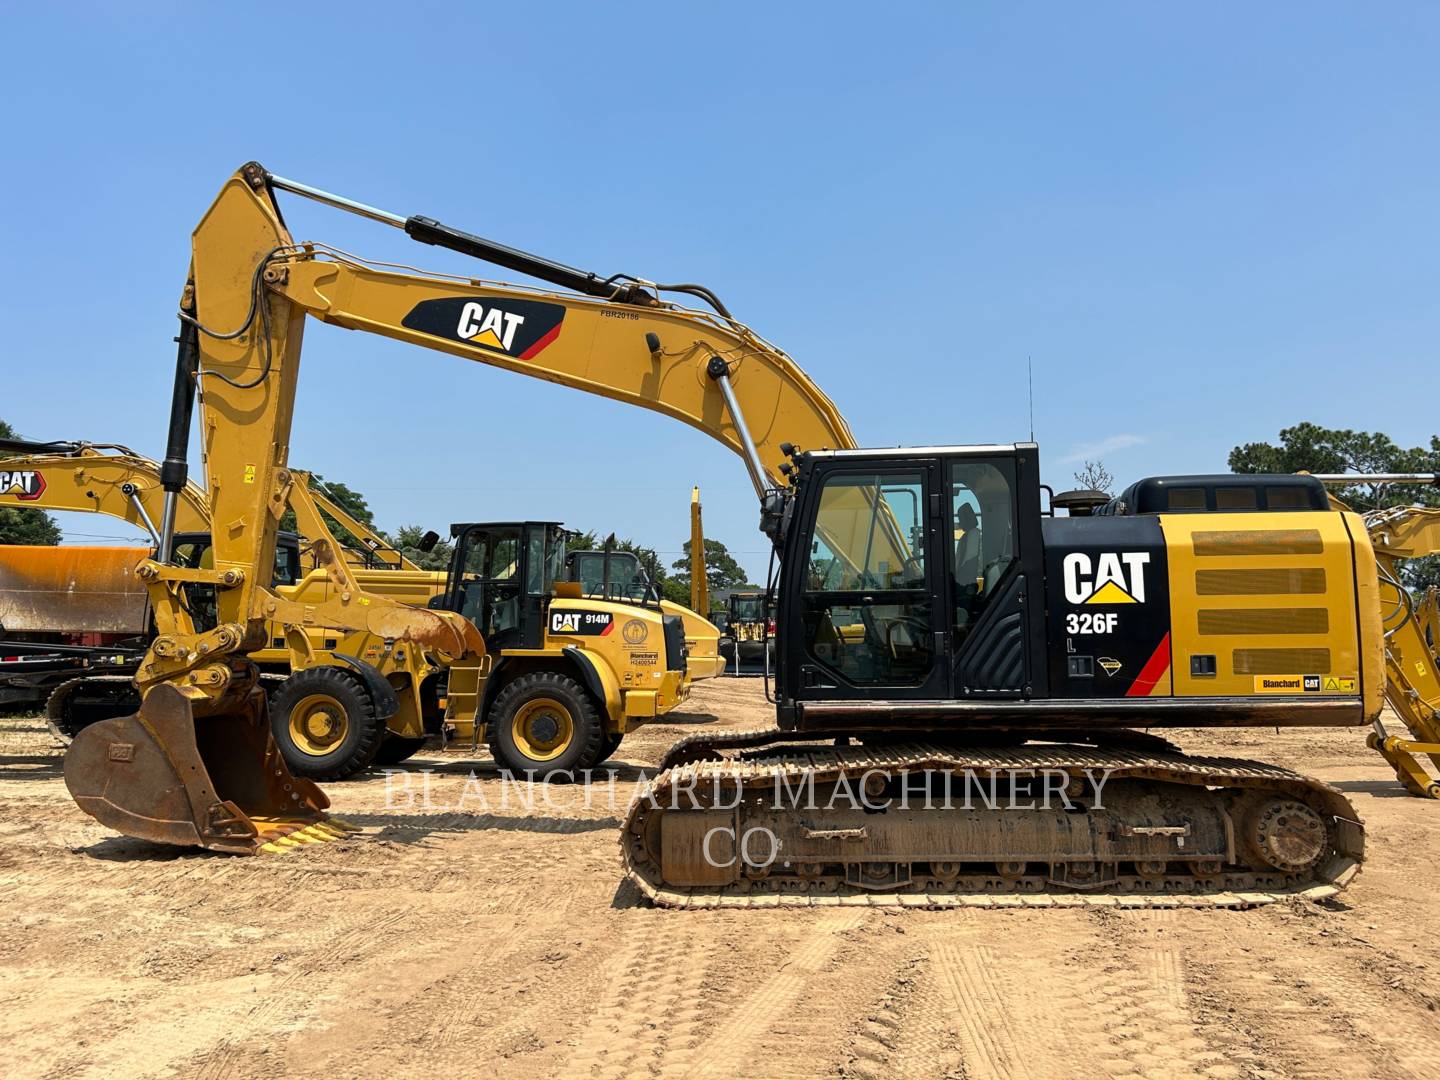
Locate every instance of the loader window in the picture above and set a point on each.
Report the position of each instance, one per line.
(866, 610)
(535, 563)
(747, 608)
(982, 507)
(489, 580)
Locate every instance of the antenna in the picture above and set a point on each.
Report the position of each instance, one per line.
(1030, 375)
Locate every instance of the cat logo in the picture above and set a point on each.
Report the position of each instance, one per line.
(25, 485)
(493, 328)
(586, 623)
(1279, 684)
(1109, 578)
(565, 622)
(513, 327)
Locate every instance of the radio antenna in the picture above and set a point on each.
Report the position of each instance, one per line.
(1030, 375)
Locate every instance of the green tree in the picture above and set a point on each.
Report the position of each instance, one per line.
(407, 540)
(23, 525)
(721, 569)
(343, 496)
(1308, 447)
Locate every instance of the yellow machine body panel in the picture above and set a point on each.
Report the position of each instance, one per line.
(702, 642)
(1270, 600)
(627, 639)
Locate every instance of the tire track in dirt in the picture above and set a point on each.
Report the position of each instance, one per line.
(649, 1018)
(907, 1033)
(293, 998)
(1319, 1012)
(1047, 1007)
(991, 1040)
(1151, 1010)
(734, 1045)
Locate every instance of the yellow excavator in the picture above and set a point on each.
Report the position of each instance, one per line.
(333, 724)
(947, 650)
(1411, 627)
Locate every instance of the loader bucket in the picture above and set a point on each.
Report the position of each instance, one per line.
(212, 781)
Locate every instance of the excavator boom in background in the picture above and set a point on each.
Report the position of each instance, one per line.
(932, 616)
(1412, 630)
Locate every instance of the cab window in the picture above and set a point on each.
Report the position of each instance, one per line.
(865, 608)
(489, 579)
(982, 541)
(1287, 498)
(535, 563)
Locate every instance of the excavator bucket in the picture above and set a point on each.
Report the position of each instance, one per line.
(213, 781)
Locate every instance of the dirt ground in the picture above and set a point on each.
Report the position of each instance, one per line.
(494, 939)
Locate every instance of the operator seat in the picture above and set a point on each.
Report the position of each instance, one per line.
(967, 548)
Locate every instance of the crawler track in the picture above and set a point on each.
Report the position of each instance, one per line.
(77, 703)
(1170, 830)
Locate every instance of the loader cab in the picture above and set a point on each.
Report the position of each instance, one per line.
(501, 577)
(194, 551)
(612, 575)
(910, 577)
(745, 607)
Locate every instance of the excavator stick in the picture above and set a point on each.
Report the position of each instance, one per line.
(214, 781)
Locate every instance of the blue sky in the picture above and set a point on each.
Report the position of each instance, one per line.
(1201, 223)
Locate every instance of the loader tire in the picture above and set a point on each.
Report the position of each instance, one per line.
(608, 747)
(325, 725)
(544, 725)
(396, 748)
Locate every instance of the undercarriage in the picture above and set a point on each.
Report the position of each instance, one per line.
(933, 824)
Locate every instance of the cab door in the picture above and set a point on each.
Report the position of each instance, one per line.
(861, 618)
(486, 589)
(994, 574)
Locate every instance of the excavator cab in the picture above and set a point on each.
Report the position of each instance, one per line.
(908, 578)
(501, 576)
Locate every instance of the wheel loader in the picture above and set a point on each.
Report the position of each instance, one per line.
(331, 722)
(749, 626)
(963, 680)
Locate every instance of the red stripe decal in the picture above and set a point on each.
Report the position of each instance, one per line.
(534, 350)
(608, 627)
(1153, 671)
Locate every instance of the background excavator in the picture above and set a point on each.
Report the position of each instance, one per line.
(937, 629)
(1412, 631)
(334, 723)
